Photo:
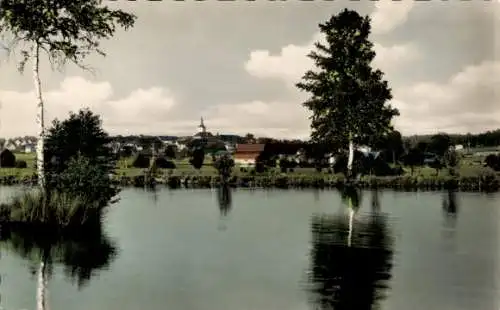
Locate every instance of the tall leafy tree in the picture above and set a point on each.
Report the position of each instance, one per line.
(79, 157)
(66, 30)
(440, 144)
(348, 97)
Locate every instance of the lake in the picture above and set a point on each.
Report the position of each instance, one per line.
(282, 250)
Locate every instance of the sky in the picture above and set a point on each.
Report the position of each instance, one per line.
(236, 64)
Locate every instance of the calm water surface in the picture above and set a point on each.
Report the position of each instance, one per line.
(282, 250)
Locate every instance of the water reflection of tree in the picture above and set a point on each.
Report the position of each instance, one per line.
(450, 212)
(81, 256)
(450, 206)
(224, 200)
(355, 274)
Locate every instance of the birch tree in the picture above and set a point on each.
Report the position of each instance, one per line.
(348, 97)
(66, 31)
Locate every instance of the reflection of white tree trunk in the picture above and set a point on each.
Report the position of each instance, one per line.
(351, 220)
(350, 159)
(40, 116)
(42, 282)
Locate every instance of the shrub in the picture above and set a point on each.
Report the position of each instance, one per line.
(170, 151)
(493, 161)
(224, 165)
(197, 158)
(126, 151)
(451, 160)
(259, 166)
(21, 164)
(7, 159)
(84, 178)
(141, 161)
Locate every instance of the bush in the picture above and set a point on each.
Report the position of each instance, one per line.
(21, 164)
(84, 178)
(197, 159)
(126, 151)
(224, 165)
(170, 151)
(163, 163)
(141, 161)
(493, 161)
(7, 159)
(259, 166)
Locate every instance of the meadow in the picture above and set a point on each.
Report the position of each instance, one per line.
(469, 167)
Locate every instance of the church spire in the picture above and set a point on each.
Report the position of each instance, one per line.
(202, 125)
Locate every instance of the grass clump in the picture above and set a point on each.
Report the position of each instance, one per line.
(57, 209)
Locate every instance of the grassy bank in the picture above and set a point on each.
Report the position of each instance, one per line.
(472, 177)
(489, 183)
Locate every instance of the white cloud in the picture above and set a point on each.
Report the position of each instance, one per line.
(389, 14)
(468, 101)
(279, 119)
(142, 110)
(292, 61)
(289, 65)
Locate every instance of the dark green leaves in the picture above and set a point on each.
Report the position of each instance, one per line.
(347, 94)
(65, 29)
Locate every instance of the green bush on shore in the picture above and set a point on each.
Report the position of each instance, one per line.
(78, 178)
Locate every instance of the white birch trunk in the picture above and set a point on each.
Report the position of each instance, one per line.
(41, 291)
(350, 159)
(40, 116)
(351, 220)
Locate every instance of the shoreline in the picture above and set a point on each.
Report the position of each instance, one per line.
(283, 181)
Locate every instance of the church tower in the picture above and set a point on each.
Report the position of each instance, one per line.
(202, 127)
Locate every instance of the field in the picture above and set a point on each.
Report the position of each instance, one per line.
(468, 167)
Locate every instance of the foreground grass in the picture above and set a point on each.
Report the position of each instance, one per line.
(59, 210)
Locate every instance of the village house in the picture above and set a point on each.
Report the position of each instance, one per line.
(246, 154)
(29, 148)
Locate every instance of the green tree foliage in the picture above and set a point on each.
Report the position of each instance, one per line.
(80, 134)
(493, 161)
(423, 146)
(141, 161)
(413, 158)
(21, 164)
(83, 177)
(440, 144)
(392, 146)
(452, 161)
(437, 164)
(67, 30)
(79, 157)
(170, 152)
(7, 159)
(348, 97)
(224, 165)
(197, 158)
